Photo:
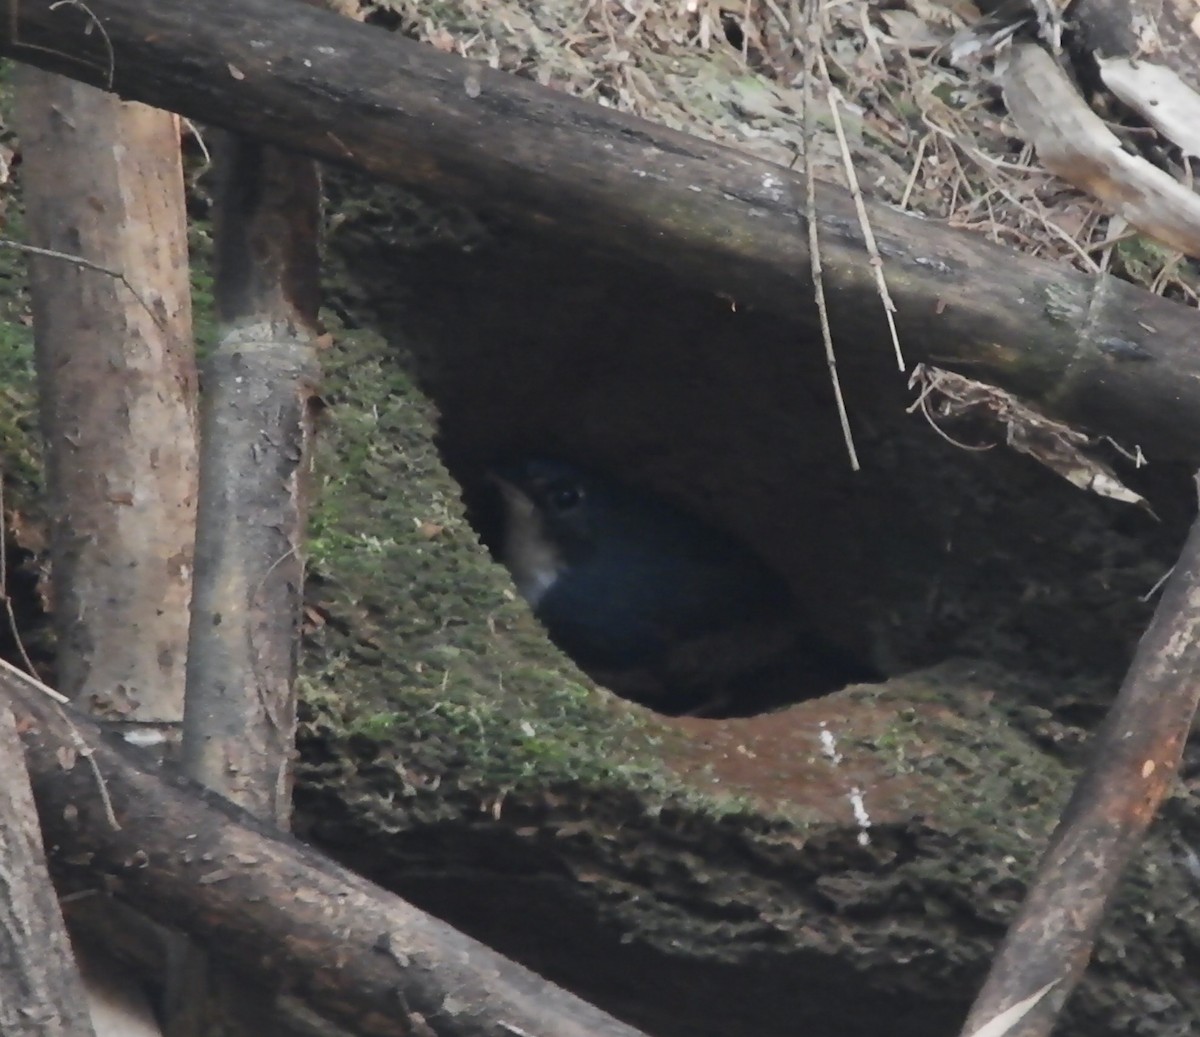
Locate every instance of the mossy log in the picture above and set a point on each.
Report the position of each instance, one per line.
(692, 877)
(708, 878)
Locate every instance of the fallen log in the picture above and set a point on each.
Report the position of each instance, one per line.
(40, 989)
(264, 902)
(1100, 353)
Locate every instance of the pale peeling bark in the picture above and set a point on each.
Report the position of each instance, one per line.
(41, 994)
(1073, 142)
(102, 180)
(1156, 32)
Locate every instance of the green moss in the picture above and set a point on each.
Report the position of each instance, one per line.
(204, 319)
(1141, 258)
(998, 794)
(428, 664)
(20, 444)
(423, 649)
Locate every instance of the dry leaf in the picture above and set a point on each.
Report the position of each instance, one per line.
(950, 396)
(429, 530)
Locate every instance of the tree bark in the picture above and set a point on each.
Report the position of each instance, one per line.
(239, 728)
(103, 181)
(1100, 353)
(257, 416)
(41, 994)
(267, 904)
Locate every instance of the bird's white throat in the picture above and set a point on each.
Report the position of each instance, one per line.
(526, 550)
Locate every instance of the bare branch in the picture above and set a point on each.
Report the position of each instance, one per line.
(1073, 142)
(1134, 761)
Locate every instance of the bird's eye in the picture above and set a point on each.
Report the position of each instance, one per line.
(564, 496)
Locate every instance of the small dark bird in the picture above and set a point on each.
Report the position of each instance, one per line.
(653, 603)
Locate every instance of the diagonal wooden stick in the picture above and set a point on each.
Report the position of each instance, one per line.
(1133, 763)
(276, 910)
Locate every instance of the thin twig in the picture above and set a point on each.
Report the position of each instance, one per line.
(864, 221)
(915, 172)
(87, 264)
(814, 241)
(80, 745)
(928, 385)
(101, 31)
(108, 70)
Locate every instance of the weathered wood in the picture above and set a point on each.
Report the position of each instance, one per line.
(1074, 143)
(1101, 353)
(1111, 28)
(1134, 761)
(268, 904)
(239, 729)
(257, 421)
(117, 389)
(103, 181)
(41, 994)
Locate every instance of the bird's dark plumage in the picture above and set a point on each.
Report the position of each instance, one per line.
(651, 601)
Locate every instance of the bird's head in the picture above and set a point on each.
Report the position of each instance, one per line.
(548, 514)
